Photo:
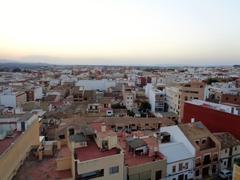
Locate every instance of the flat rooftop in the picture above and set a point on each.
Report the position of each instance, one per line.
(171, 151)
(133, 160)
(7, 141)
(64, 152)
(223, 107)
(39, 170)
(93, 152)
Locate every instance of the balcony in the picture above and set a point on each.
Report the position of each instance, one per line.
(206, 160)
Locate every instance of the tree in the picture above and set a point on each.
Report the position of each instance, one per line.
(145, 107)
(130, 113)
(16, 70)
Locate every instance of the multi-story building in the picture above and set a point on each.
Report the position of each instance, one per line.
(9, 98)
(230, 150)
(129, 96)
(236, 170)
(179, 165)
(156, 98)
(142, 158)
(78, 93)
(35, 93)
(17, 137)
(96, 152)
(102, 84)
(207, 148)
(177, 95)
(216, 117)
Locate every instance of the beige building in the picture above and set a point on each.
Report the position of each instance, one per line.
(94, 151)
(177, 95)
(129, 96)
(207, 149)
(17, 139)
(230, 150)
(236, 170)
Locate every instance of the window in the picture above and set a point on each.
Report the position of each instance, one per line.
(71, 131)
(158, 175)
(197, 142)
(114, 170)
(197, 172)
(92, 175)
(186, 165)
(203, 141)
(225, 150)
(61, 136)
(174, 169)
(180, 166)
(214, 169)
(235, 148)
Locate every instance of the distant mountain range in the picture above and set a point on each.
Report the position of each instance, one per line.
(6, 63)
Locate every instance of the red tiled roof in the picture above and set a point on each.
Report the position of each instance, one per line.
(93, 152)
(6, 142)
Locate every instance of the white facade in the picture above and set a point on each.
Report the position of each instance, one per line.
(173, 99)
(219, 107)
(180, 154)
(156, 98)
(103, 84)
(7, 98)
(38, 93)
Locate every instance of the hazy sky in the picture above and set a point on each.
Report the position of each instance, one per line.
(121, 31)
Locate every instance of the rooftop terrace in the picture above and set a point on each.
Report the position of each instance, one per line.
(7, 141)
(93, 152)
(131, 159)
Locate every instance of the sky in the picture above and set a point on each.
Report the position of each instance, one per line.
(147, 32)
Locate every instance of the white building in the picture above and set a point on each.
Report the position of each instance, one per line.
(232, 109)
(156, 98)
(179, 152)
(102, 84)
(38, 93)
(173, 99)
(8, 98)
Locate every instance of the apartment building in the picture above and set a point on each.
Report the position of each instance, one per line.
(102, 84)
(129, 96)
(34, 93)
(94, 152)
(10, 98)
(156, 98)
(142, 158)
(179, 165)
(216, 117)
(130, 124)
(236, 170)
(230, 150)
(17, 137)
(78, 93)
(177, 95)
(207, 149)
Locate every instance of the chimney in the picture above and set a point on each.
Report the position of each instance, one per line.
(103, 127)
(192, 120)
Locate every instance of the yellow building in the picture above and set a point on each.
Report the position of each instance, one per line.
(18, 137)
(236, 171)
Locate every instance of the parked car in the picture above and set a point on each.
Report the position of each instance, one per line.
(225, 174)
